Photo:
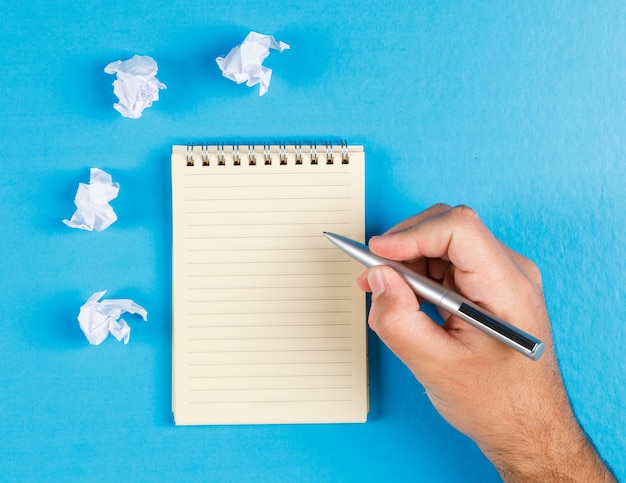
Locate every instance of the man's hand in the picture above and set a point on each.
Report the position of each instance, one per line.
(515, 409)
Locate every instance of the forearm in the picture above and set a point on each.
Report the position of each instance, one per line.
(559, 453)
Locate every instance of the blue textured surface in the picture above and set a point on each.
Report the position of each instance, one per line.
(514, 108)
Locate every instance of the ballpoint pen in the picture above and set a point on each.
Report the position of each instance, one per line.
(445, 298)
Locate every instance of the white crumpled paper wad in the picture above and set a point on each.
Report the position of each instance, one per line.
(136, 86)
(99, 319)
(244, 62)
(93, 210)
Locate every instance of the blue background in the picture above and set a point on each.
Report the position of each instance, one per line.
(515, 108)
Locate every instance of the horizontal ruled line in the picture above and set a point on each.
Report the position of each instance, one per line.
(260, 210)
(266, 350)
(251, 262)
(248, 326)
(246, 186)
(298, 388)
(269, 274)
(272, 312)
(277, 249)
(260, 198)
(195, 339)
(194, 301)
(272, 401)
(260, 287)
(256, 376)
(268, 225)
(257, 237)
(227, 364)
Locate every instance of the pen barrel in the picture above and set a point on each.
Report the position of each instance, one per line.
(493, 325)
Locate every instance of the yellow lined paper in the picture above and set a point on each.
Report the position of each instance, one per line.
(268, 323)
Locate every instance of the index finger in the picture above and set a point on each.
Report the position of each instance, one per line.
(483, 270)
(455, 234)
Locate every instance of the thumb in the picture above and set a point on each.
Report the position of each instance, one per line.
(396, 318)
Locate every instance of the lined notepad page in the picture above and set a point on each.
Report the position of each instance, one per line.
(269, 325)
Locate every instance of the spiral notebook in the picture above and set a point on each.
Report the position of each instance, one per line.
(268, 324)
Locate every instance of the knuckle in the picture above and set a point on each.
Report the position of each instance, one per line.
(440, 207)
(466, 213)
(530, 270)
(533, 272)
(528, 285)
(534, 275)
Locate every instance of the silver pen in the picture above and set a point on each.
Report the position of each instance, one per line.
(448, 300)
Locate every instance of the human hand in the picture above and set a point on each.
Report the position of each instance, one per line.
(515, 409)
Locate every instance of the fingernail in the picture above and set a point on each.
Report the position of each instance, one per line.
(377, 281)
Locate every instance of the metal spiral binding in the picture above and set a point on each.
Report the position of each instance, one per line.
(329, 153)
(345, 159)
(314, 154)
(221, 160)
(220, 155)
(236, 157)
(298, 149)
(267, 156)
(189, 156)
(251, 155)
